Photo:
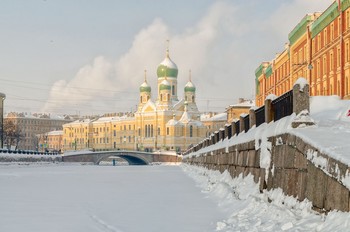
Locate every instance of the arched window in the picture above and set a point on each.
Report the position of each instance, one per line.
(192, 98)
(161, 97)
(173, 90)
(168, 97)
(151, 130)
(158, 130)
(191, 131)
(141, 99)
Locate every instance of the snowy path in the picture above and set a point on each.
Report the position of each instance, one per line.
(182, 198)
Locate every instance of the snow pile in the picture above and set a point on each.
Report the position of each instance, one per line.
(249, 210)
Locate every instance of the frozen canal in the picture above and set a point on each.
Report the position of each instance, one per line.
(74, 198)
(102, 198)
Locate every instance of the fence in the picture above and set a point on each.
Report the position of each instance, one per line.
(293, 101)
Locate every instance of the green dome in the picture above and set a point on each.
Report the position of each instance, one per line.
(165, 85)
(189, 87)
(145, 88)
(167, 68)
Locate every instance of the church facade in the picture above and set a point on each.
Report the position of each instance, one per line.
(166, 122)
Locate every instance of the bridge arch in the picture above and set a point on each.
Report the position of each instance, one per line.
(132, 159)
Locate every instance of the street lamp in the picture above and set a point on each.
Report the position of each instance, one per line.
(2, 98)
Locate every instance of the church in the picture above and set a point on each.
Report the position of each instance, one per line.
(166, 122)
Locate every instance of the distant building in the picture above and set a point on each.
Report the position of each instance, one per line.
(242, 107)
(213, 122)
(33, 125)
(318, 50)
(51, 141)
(163, 123)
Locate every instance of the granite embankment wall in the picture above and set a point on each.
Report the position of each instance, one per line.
(281, 161)
(29, 158)
(296, 167)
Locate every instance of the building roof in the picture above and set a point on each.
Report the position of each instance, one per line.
(216, 117)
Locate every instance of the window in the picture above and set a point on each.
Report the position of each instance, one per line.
(331, 62)
(173, 90)
(167, 131)
(191, 131)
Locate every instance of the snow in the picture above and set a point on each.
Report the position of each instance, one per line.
(330, 134)
(103, 198)
(169, 63)
(217, 117)
(302, 82)
(271, 97)
(57, 132)
(66, 197)
(249, 210)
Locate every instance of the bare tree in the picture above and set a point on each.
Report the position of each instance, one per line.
(12, 134)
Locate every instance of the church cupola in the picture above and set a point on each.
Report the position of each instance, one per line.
(190, 91)
(167, 69)
(145, 91)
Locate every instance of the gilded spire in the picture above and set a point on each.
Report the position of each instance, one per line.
(190, 77)
(145, 75)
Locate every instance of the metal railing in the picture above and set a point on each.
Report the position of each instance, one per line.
(282, 106)
(260, 116)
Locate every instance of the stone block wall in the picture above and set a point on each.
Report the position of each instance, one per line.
(292, 168)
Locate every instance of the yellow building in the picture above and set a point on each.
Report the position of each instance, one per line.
(50, 141)
(163, 123)
(318, 50)
(242, 107)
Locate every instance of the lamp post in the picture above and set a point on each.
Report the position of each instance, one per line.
(2, 98)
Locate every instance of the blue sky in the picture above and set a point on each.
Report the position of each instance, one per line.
(89, 57)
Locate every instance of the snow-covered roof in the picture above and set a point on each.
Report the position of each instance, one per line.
(42, 116)
(58, 132)
(217, 117)
(186, 117)
(247, 103)
(173, 122)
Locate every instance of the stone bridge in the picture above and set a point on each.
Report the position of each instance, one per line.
(132, 157)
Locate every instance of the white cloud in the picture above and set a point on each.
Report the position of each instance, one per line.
(222, 49)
